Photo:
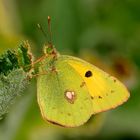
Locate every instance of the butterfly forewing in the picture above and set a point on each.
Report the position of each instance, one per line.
(106, 91)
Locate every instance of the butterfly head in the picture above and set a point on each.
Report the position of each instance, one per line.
(49, 50)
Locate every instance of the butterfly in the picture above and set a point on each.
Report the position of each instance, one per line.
(71, 90)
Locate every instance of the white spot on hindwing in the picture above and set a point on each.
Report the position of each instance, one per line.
(70, 96)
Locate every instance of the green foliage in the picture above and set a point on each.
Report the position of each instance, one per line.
(25, 56)
(14, 68)
(8, 62)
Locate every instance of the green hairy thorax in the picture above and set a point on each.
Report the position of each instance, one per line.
(46, 62)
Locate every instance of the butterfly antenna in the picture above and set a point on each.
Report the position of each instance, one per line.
(49, 29)
(42, 30)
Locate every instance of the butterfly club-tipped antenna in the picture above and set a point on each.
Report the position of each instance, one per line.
(49, 46)
(49, 29)
(42, 30)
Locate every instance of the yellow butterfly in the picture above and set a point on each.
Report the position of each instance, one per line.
(71, 90)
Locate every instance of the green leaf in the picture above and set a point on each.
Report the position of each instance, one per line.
(8, 62)
(15, 72)
(25, 57)
(11, 86)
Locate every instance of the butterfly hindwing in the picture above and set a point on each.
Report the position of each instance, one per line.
(62, 96)
(106, 91)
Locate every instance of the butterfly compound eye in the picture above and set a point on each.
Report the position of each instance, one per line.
(88, 73)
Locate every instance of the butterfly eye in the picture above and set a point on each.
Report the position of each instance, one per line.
(88, 74)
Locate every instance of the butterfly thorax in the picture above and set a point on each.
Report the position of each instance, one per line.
(50, 56)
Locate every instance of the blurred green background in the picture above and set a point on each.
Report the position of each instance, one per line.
(103, 32)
